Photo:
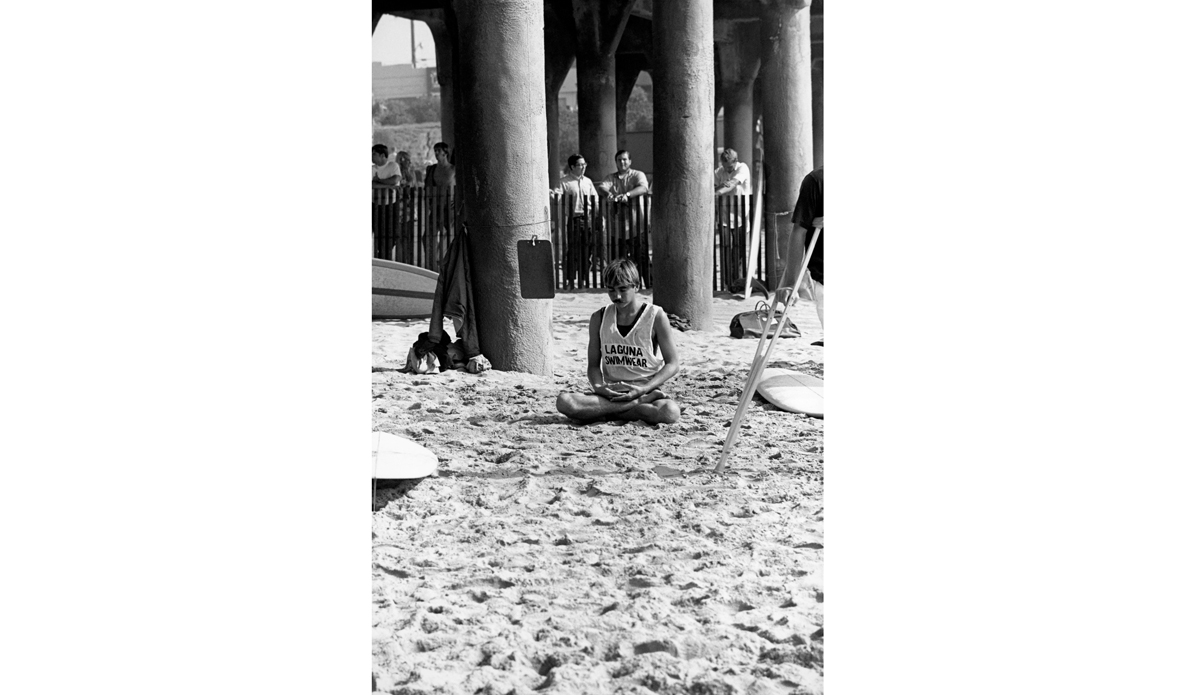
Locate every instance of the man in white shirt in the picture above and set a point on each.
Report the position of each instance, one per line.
(574, 184)
(581, 238)
(732, 180)
(384, 173)
(732, 177)
(385, 177)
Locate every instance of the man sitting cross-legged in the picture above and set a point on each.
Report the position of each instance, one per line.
(630, 355)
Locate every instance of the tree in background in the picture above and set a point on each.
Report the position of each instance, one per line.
(639, 117)
(568, 134)
(383, 136)
(402, 111)
(639, 111)
(417, 139)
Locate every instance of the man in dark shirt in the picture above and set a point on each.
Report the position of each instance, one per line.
(808, 215)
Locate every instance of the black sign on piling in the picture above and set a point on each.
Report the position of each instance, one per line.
(535, 264)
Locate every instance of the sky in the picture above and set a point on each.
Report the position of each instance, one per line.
(391, 43)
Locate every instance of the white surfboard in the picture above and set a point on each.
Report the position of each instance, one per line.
(401, 291)
(793, 391)
(397, 458)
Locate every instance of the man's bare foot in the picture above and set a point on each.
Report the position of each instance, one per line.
(651, 396)
(662, 411)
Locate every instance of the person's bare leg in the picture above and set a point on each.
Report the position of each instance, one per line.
(589, 406)
(652, 407)
(819, 300)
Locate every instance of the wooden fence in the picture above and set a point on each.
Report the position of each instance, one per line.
(416, 225)
(412, 225)
(590, 232)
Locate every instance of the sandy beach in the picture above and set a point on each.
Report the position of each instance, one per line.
(556, 557)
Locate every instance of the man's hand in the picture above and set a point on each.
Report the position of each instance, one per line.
(607, 390)
(629, 392)
(618, 391)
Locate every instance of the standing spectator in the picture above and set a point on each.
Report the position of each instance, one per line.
(732, 177)
(408, 173)
(385, 176)
(732, 180)
(574, 185)
(808, 215)
(439, 191)
(383, 172)
(409, 197)
(440, 174)
(624, 186)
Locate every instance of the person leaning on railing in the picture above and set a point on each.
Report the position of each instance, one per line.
(574, 185)
(732, 180)
(439, 190)
(383, 172)
(408, 196)
(441, 173)
(385, 176)
(732, 177)
(408, 173)
(624, 186)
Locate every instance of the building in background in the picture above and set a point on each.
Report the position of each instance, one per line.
(402, 81)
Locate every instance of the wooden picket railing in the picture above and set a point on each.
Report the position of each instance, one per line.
(416, 225)
(412, 225)
(731, 228)
(591, 232)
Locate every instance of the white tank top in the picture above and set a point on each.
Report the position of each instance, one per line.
(631, 357)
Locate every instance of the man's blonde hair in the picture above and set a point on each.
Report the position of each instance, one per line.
(621, 272)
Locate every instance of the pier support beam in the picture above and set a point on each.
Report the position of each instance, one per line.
(559, 40)
(629, 67)
(501, 171)
(598, 28)
(445, 75)
(787, 117)
(738, 47)
(817, 28)
(683, 151)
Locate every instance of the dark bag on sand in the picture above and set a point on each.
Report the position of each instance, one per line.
(749, 324)
(421, 354)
